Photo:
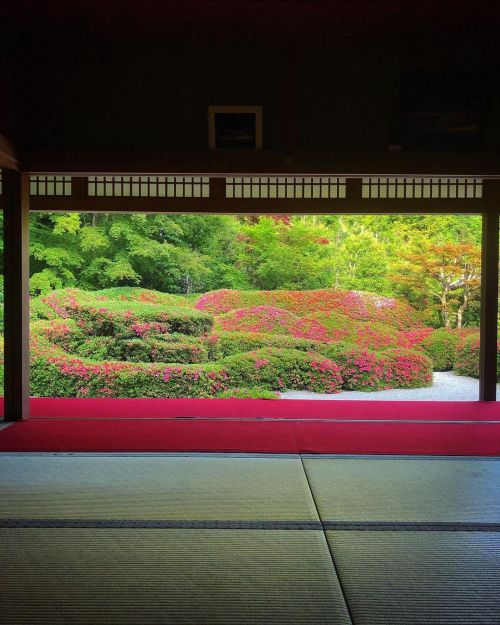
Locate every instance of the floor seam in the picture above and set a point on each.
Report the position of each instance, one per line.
(323, 530)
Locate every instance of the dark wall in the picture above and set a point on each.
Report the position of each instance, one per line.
(328, 74)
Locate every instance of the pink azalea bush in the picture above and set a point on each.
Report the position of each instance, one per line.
(284, 369)
(136, 343)
(353, 304)
(467, 355)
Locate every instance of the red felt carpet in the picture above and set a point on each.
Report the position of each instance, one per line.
(285, 426)
(104, 408)
(477, 439)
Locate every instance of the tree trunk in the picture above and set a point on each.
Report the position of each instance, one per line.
(462, 308)
(445, 313)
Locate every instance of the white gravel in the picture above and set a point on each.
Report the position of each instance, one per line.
(446, 387)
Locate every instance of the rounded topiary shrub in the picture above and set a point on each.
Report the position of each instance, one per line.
(363, 369)
(229, 343)
(268, 319)
(441, 347)
(408, 368)
(283, 369)
(467, 359)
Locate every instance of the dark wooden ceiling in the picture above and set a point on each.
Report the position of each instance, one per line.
(137, 74)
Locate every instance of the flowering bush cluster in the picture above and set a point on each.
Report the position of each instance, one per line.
(366, 370)
(129, 342)
(467, 355)
(282, 369)
(352, 304)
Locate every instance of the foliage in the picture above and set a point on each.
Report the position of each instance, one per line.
(109, 344)
(249, 393)
(283, 369)
(441, 347)
(363, 369)
(450, 273)
(186, 254)
(98, 314)
(354, 305)
(467, 359)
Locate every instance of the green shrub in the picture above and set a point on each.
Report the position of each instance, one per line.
(248, 393)
(353, 304)
(282, 369)
(142, 350)
(366, 370)
(125, 318)
(230, 343)
(467, 358)
(69, 377)
(441, 346)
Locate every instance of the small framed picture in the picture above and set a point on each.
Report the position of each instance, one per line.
(235, 127)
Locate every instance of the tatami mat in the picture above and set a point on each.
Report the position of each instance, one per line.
(154, 487)
(389, 489)
(419, 578)
(198, 577)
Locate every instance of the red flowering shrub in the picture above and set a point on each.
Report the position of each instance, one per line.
(282, 369)
(257, 319)
(366, 370)
(467, 356)
(355, 305)
(134, 343)
(64, 376)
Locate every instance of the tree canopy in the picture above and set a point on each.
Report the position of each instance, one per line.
(433, 261)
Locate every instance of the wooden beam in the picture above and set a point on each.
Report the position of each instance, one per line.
(16, 295)
(8, 157)
(265, 162)
(219, 204)
(489, 308)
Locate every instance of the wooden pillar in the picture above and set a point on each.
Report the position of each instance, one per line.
(489, 308)
(16, 294)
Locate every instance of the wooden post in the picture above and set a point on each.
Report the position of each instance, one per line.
(16, 294)
(489, 308)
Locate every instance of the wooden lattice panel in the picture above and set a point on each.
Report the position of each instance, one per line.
(149, 186)
(50, 185)
(422, 188)
(265, 187)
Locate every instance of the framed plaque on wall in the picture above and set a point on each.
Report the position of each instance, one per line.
(235, 127)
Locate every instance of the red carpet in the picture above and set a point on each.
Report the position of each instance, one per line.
(246, 425)
(477, 439)
(259, 408)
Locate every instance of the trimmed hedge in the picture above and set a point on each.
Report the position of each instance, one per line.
(366, 370)
(467, 358)
(353, 304)
(441, 347)
(283, 369)
(151, 350)
(268, 319)
(248, 393)
(99, 315)
(70, 377)
(229, 343)
(127, 342)
(64, 376)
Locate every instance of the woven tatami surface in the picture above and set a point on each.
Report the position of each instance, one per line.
(158, 539)
(419, 578)
(406, 489)
(168, 576)
(154, 487)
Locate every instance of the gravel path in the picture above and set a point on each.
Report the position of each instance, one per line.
(447, 387)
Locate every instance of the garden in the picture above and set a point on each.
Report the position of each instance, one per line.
(229, 306)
